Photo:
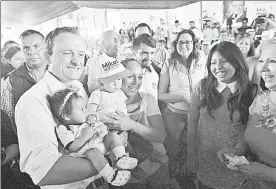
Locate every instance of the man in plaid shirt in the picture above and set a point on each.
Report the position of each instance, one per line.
(24, 77)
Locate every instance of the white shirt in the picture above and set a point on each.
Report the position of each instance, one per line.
(109, 102)
(38, 143)
(182, 81)
(150, 82)
(198, 34)
(232, 86)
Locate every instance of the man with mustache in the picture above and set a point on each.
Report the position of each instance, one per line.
(24, 77)
(144, 46)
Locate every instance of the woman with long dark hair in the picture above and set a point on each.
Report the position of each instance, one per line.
(218, 114)
(184, 68)
(260, 135)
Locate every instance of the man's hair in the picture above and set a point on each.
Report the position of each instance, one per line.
(177, 21)
(246, 19)
(30, 32)
(192, 22)
(126, 61)
(144, 38)
(143, 25)
(49, 40)
(6, 44)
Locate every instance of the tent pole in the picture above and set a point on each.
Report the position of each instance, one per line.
(105, 18)
(201, 19)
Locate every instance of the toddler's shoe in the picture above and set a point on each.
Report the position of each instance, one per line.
(120, 177)
(126, 162)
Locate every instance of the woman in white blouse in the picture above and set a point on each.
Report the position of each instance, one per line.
(184, 68)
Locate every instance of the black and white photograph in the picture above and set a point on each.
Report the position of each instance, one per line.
(138, 94)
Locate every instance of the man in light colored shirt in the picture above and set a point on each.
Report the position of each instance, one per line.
(144, 46)
(209, 32)
(197, 32)
(39, 153)
(110, 42)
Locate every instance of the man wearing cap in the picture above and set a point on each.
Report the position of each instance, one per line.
(144, 46)
(24, 77)
(110, 42)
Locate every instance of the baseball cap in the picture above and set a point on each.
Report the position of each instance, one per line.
(110, 69)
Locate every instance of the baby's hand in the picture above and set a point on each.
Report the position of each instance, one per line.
(90, 132)
(101, 129)
(91, 119)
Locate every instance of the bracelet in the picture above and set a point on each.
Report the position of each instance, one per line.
(137, 127)
(97, 117)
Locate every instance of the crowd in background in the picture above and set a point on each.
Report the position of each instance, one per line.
(190, 102)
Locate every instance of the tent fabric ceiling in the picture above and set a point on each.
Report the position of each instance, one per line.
(135, 4)
(37, 12)
(34, 12)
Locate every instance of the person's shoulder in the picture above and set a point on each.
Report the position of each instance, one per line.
(252, 60)
(96, 92)
(39, 91)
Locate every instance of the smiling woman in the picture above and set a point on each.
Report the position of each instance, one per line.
(261, 126)
(219, 111)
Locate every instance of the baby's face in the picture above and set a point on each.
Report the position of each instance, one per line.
(79, 111)
(113, 86)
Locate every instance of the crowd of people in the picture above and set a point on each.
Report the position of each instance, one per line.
(140, 112)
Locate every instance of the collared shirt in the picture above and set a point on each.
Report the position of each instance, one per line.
(36, 132)
(8, 98)
(150, 82)
(31, 73)
(232, 86)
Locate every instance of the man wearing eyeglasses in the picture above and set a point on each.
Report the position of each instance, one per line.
(24, 77)
(111, 43)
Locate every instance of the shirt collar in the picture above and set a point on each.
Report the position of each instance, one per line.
(53, 83)
(147, 69)
(232, 86)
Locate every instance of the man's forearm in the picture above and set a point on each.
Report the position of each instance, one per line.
(69, 169)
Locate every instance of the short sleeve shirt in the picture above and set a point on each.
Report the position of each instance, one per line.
(150, 82)
(109, 102)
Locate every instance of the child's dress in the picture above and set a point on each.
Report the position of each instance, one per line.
(70, 133)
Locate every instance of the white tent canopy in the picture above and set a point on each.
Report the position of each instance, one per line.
(37, 12)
